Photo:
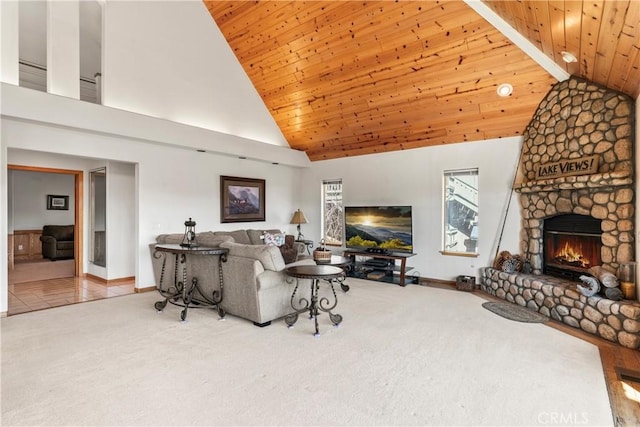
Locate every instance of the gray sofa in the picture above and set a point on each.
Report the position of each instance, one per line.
(255, 285)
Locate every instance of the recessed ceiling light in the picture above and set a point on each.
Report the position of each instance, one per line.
(505, 89)
(568, 57)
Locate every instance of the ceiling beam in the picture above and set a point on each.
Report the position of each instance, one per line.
(518, 39)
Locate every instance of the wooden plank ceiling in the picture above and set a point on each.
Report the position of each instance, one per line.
(347, 78)
(604, 36)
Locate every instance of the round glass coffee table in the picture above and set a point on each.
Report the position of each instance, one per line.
(316, 273)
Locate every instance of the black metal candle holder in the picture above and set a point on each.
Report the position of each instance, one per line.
(189, 239)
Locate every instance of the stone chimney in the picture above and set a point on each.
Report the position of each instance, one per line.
(577, 158)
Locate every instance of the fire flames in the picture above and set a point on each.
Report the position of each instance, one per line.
(569, 255)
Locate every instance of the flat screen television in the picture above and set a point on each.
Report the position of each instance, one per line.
(385, 227)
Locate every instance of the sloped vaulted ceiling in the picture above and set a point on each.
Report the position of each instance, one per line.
(346, 78)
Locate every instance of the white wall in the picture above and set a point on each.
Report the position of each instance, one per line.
(121, 225)
(9, 48)
(172, 183)
(175, 64)
(29, 202)
(414, 177)
(63, 48)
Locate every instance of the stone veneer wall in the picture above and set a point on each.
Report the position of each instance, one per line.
(577, 119)
(616, 321)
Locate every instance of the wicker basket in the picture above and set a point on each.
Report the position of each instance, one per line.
(508, 263)
(465, 283)
(322, 255)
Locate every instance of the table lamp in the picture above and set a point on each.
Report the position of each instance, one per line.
(299, 218)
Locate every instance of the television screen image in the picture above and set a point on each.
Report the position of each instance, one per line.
(385, 227)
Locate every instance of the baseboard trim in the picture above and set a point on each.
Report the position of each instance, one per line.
(109, 282)
(121, 280)
(3, 314)
(145, 289)
(429, 281)
(95, 278)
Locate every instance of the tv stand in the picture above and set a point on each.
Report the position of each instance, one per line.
(381, 267)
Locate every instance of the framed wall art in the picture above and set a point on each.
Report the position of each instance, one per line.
(60, 203)
(242, 199)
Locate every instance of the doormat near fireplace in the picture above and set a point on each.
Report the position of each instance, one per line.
(515, 312)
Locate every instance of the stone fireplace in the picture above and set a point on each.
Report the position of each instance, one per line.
(576, 191)
(578, 122)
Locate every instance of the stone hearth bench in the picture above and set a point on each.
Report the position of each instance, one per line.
(617, 321)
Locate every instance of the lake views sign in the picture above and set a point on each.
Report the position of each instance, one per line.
(569, 167)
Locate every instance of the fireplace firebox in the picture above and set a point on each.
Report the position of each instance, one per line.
(572, 244)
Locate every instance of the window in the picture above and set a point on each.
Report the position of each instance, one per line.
(332, 212)
(461, 211)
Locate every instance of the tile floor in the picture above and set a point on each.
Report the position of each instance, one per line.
(31, 296)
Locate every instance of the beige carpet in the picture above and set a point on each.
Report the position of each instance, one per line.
(41, 270)
(402, 356)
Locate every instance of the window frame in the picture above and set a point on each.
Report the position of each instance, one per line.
(460, 220)
(338, 223)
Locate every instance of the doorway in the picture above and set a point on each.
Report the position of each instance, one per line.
(77, 215)
(78, 286)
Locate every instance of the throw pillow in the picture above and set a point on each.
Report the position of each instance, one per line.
(288, 250)
(273, 239)
(289, 254)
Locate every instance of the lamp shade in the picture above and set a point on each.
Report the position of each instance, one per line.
(298, 217)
